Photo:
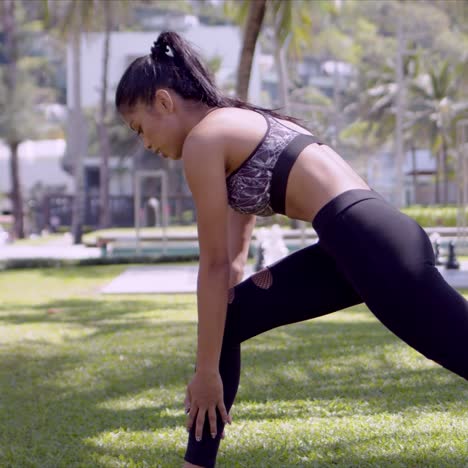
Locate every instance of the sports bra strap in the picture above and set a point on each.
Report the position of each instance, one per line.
(286, 159)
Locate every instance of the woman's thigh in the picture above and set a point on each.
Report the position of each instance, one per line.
(304, 285)
(389, 260)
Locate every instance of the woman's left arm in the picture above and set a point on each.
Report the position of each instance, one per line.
(205, 173)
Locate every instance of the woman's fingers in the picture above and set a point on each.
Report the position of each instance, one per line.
(223, 412)
(223, 434)
(199, 425)
(212, 421)
(199, 415)
(187, 402)
(191, 417)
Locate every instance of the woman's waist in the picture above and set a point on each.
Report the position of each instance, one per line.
(305, 200)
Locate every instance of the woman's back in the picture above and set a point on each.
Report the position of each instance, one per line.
(253, 141)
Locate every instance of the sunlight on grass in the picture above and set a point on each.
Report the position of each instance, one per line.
(99, 381)
(45, 332)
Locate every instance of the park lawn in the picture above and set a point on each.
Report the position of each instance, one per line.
(97, 381)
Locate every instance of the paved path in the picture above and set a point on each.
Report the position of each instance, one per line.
(183, 279)
(59, 248)
(74, 252)
(158, 278)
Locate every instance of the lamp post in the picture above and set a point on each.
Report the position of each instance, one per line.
(402, 35)
(139, 176)
(462, 183)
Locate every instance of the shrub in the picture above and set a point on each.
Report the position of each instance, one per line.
(24, 263)
(436, 215)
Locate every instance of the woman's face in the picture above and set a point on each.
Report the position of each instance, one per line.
(158, 125)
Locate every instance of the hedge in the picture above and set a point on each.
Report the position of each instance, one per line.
(23, 263)
(438, 215)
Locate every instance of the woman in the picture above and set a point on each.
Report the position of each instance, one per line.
(241, 161)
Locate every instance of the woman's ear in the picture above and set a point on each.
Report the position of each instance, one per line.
(163, 102)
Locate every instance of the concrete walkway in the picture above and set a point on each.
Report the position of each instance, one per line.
(154, 279)
(58, 248)
(161, 279)
(72, 252)
(158, 279)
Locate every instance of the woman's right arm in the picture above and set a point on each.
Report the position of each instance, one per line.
(203, 159)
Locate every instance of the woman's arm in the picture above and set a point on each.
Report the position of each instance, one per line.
(240, 228)
(203, 158)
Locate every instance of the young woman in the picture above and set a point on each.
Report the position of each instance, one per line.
(241, 161)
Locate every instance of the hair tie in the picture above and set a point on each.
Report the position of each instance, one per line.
(161, 49)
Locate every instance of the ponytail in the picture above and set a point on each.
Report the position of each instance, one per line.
(173, 63)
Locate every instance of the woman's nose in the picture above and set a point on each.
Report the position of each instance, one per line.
(147, 144)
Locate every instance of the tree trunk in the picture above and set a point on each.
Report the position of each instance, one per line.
(437, 178)
(255, 18)
(12, 138)
(283, 79)
(104, 215)
(77, 127)
(446, 169)
(415, 175)
(16, 195)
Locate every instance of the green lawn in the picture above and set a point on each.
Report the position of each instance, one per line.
(94, 381)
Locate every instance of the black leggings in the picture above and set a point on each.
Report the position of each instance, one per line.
(368, 251)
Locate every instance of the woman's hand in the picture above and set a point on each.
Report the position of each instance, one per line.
(204, 395)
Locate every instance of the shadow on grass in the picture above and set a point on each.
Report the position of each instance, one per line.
(86, 311)
(94, 272)
(60, 397)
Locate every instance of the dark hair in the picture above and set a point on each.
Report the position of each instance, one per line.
(174, 64)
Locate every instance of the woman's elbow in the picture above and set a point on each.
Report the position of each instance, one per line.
(215, 264)
(236, 274)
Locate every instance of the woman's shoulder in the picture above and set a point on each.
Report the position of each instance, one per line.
(226, 123)
(230, 121)
(230, 131)
(229, 115)
(236, 119)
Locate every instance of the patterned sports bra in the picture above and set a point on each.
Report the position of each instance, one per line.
(258, 185)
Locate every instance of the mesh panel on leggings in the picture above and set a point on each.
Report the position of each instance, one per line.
(263, 279)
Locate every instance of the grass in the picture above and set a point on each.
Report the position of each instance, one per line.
(97, 381)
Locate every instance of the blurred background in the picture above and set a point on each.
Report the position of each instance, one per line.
(384, 82)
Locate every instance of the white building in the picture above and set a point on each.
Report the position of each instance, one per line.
(39, 164)
(223, 42)
(41, 161)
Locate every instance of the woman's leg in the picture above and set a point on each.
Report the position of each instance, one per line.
(389, 260)
(304, 285)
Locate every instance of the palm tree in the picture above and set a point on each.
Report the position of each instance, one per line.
(76, 126)
(435, 107)
(18, 95)
(291, 27)
(73, 17)
(254, 21)
(7, 12)
(376, 105)
(104, 214)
